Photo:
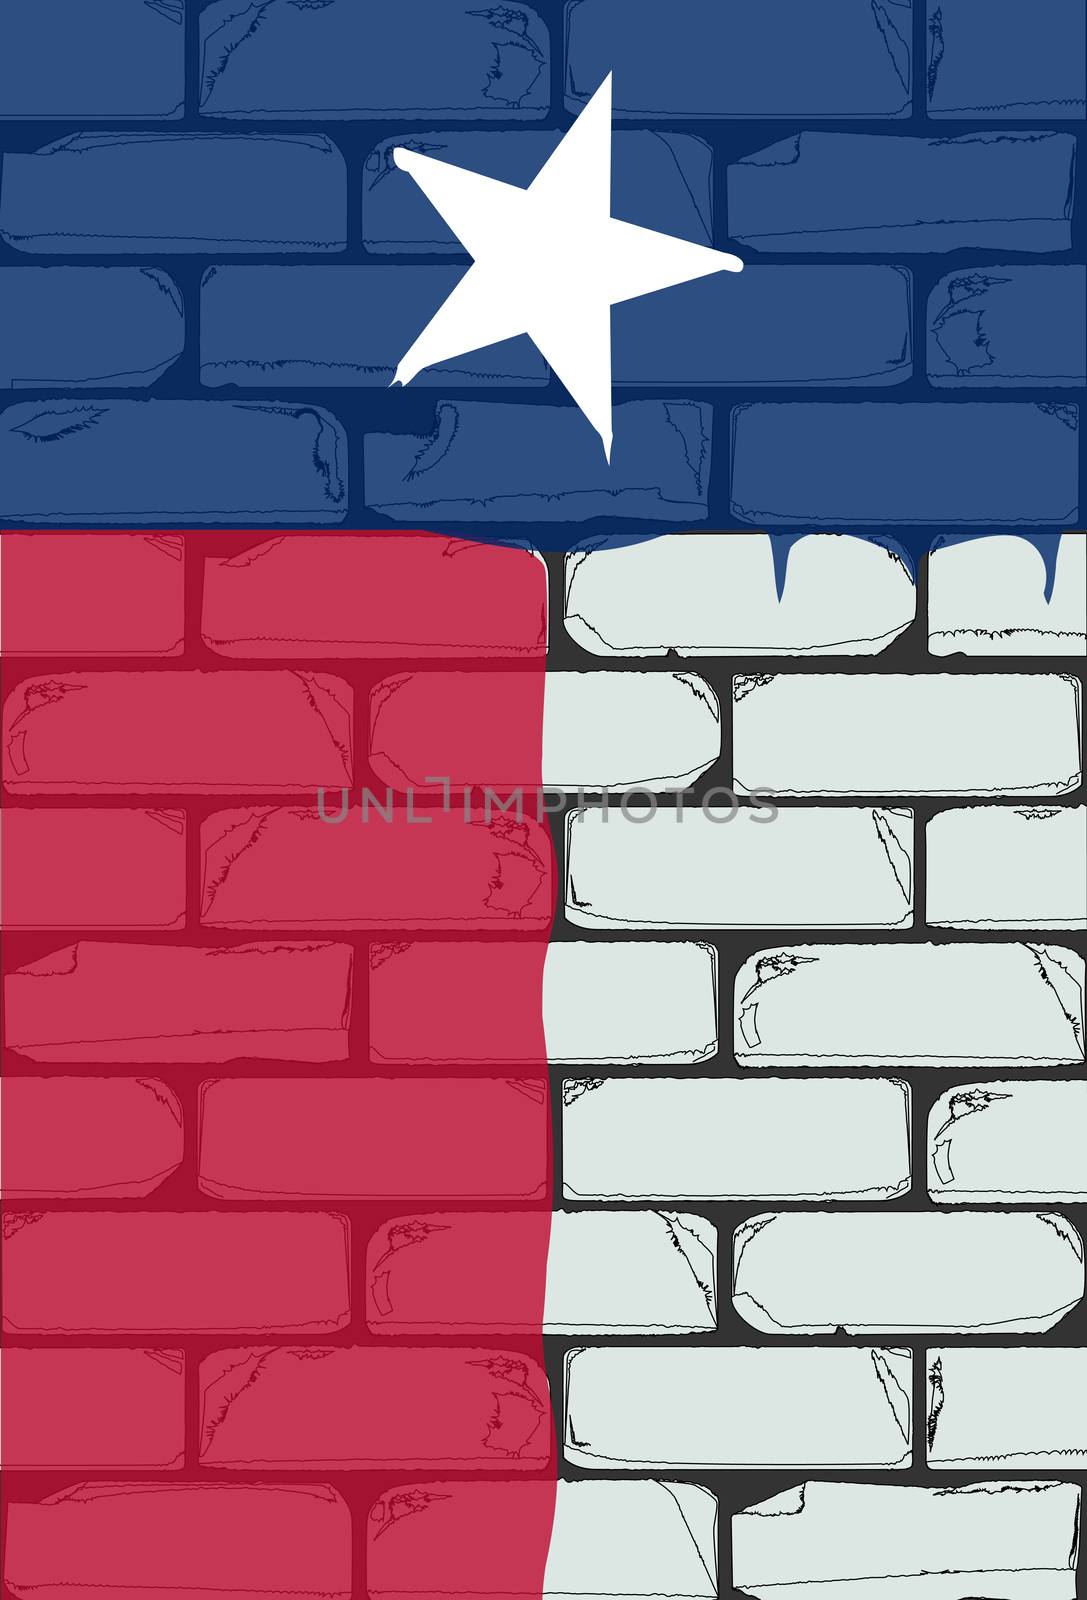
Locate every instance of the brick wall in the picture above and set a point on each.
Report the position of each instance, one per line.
(211, 1172)
(864, 1018)
(254, 1059)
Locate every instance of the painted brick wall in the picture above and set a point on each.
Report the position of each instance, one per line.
(865, 1017)
(255, 1058)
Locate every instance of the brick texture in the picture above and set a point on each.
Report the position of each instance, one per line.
(160, 1230)
(242, 1247)
(899, 139)
(286, 1278)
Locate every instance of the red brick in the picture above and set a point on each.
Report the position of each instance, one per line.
(486, 1541)
(456, 1272)
(291, 867)
(458, 1001)
(99, 1410)
(178, 733)
(374, 1138)
(376, 596)
(465, 727)
(364, 1408)
(160, 1271)
(93, 594)
(88, 1138)
(191, 1541)
(128, 1002)
(97, 868)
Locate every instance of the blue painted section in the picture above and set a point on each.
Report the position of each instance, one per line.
(765, 58)
(778, 326)
(339, 327)
(183, 193)
(270, 173)
(322, 59)
(879, 193)
(659, 180)
(133, 462)
(500, 463)
(1009, 327)
(1001, 466)
(92, 60)
(88, 327)
(1006, 59)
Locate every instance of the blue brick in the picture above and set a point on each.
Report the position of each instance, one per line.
(1001, 326)
(762, 58)
(534, 463)
(1006, 58)
(1005, 465)
(283, 58)
(881, 192)
(88, 327)
(770, 325)
(264, 327)
(92, 60)
(171, 461)
(112, 193)
(659, 180)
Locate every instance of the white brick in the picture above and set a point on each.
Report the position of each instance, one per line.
(987, 598)
(707, 594)
(730, 1409)
(861, 734)
(627, 1004)
(630, 1272)
(1010, 1142)
(1007, 867)
(999, 1409)
(631, 1004)
(917, 1005)
(735, 1139)
(806, 867)
(627, 730)
(623, 1541)
(906, 1272)
(1017, 1540)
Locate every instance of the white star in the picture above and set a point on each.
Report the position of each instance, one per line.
(549, 261)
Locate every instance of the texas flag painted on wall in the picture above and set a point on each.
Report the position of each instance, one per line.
(539, 582)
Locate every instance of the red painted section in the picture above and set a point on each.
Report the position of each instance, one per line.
(200, 1408)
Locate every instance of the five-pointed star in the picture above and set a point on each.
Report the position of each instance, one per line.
(549, 261)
